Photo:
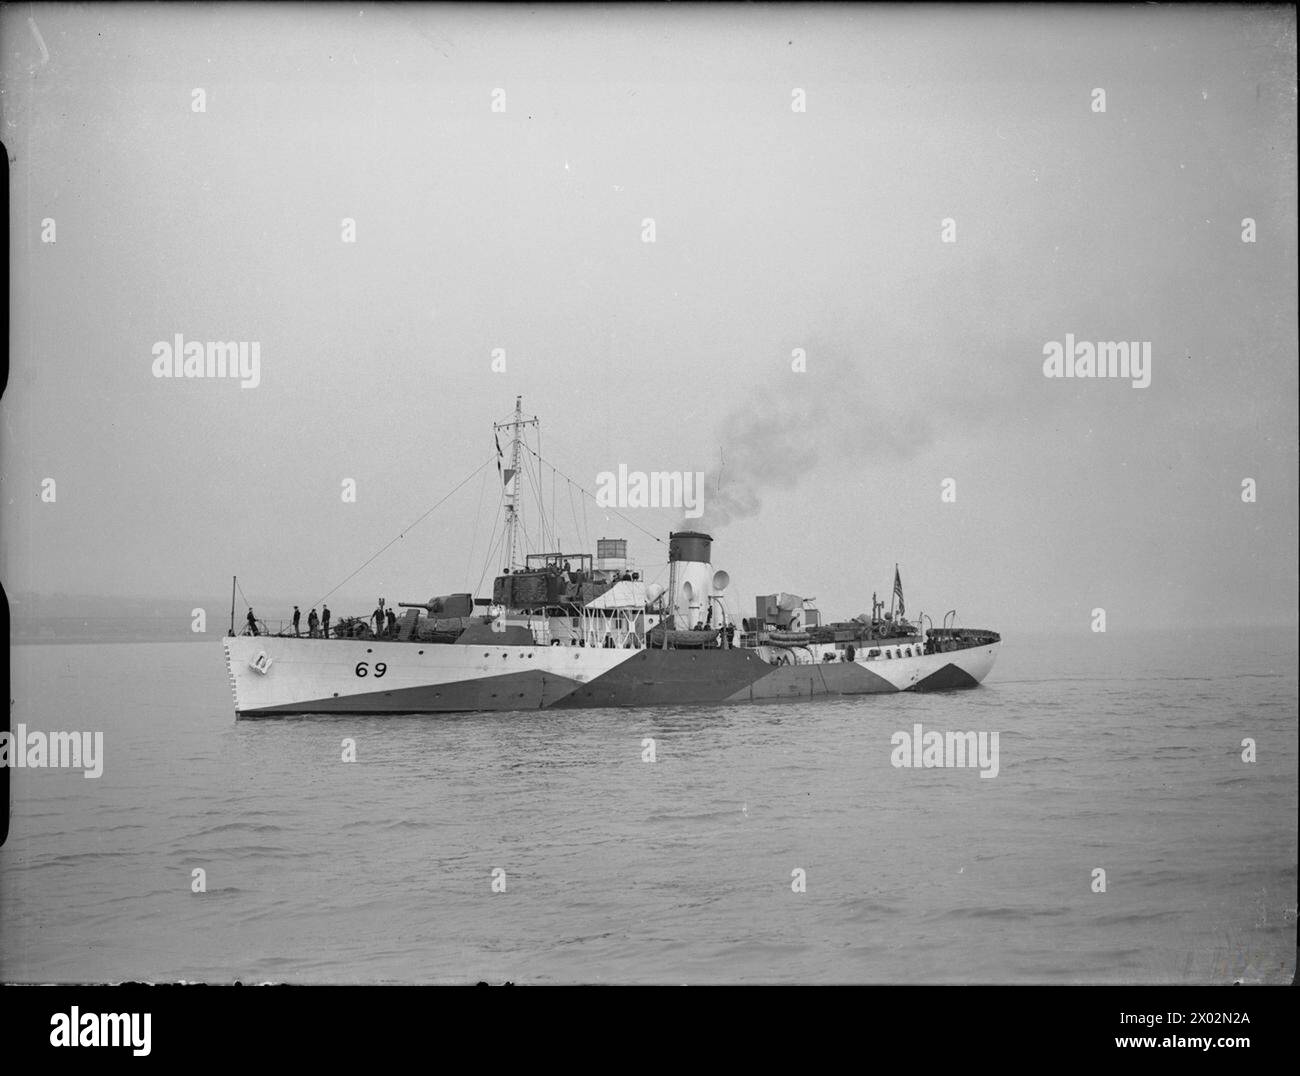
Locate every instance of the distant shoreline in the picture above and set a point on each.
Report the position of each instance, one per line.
(120, 638)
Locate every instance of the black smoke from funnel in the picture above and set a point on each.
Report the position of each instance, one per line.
(813, 425)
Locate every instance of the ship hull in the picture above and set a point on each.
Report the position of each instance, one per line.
(274, 676)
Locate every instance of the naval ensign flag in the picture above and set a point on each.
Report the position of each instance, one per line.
(898, 590)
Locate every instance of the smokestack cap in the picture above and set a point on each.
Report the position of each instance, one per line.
(690, 545)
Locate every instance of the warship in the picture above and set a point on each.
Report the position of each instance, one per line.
(588, 629)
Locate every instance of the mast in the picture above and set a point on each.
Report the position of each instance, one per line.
(516, 427)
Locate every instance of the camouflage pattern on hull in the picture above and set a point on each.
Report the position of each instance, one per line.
(672, 678)
(805, 681)
(318, 677)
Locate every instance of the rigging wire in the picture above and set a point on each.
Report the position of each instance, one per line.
(492, 548)
(540, 489)
(522, 480)
(402, 535)
(496, 540)
(535, 483)
(523, 486)
(573, 508)
(469, 559)
(493, 541)
(593, 497)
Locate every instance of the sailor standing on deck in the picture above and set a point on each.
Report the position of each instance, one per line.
(325, 622)
(252, 621)
(378, 617)
(312, 622)
(296, 614)
(392, 624)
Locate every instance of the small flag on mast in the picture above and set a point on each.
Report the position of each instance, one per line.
(898, 590)
(499, 452)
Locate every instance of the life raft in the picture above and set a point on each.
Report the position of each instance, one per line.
(683, 638)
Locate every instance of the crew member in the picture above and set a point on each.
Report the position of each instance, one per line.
(325, 622)
(312, 622)
(296, 614)
(252, 622)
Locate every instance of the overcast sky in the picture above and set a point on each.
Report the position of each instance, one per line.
(774, 230)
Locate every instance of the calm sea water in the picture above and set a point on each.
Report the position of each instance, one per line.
(1118, 753)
